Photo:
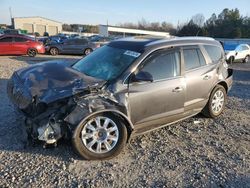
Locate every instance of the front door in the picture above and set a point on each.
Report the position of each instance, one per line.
(152, 104)
(6, 46)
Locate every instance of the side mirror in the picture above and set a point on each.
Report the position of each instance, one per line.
(142, 77)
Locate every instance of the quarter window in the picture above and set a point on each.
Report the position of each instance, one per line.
(193, 58)
(163, 65)
(214, 52)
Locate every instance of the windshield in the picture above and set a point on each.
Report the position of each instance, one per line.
(106, 63)
(230, 47)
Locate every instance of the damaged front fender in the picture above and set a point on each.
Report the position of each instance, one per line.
(95, 104)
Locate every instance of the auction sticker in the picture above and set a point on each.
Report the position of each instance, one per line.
(132, 53)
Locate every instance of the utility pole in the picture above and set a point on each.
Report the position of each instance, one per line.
(10, 13)
(11, 17)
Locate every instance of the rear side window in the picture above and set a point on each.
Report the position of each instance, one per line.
(19, 39)
(6, 39)
(163, 65)
(193, 58)
(214, 52)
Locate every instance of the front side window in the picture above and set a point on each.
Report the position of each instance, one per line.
(193, 58)
(70, 42)
(106, 63)
(163, 65)
(245, 48)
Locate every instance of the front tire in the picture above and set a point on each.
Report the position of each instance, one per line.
(31, 52)
(87, 51)
(216, 102)
(100, 137)
(54, 51)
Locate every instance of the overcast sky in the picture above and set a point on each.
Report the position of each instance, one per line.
(115, 11)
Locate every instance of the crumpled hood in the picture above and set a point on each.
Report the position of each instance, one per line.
(50, 81)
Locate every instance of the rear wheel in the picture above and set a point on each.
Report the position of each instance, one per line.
(54, 51)
(246, 59)
(216, 102)
(31, 52)
(87, 51)
(231, 59)
(100, 137)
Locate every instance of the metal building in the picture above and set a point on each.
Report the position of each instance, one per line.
(105, 29)
(37, 24)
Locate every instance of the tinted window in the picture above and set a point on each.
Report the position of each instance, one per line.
(245, 48)
(193, 58)
(214, 52)
(70, 42)
(163, 65)
(81, 41)
(6, 39)
(19, 39)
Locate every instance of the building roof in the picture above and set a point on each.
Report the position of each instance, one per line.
(36, 17)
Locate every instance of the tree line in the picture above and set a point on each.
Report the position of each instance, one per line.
(227, 24)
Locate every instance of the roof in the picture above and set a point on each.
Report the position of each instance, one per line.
(139, 44)
(17, 35)
(36, 17)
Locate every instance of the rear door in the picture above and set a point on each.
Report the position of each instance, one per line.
(199, 75)
(20, 45)
(6, 46)
(69, 46)
(240, 52)
(81, 45)
(152, 104)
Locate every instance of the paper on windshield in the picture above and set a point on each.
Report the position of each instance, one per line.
(132, 53)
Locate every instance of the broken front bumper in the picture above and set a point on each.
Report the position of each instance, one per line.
(17, 93)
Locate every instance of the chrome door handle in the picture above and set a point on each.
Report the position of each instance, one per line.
(207, 77)
(177, 89)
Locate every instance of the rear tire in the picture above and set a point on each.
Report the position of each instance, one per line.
(246, 59)
(54, 51)
(87, 51)
(31, 52)
(216, 102)
(110, 137)
(231, 60)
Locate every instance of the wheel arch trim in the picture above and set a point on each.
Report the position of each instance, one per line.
(129, 125)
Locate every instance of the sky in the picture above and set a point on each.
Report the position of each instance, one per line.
(115, 12)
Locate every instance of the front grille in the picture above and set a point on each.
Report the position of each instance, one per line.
(17, 93)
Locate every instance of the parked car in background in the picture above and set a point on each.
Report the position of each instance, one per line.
(237, 52)
(71, 46)
(125, 88)
(11, 32)
(20, 45)
(100, 40)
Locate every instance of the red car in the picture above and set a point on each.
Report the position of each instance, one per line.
(20, 45)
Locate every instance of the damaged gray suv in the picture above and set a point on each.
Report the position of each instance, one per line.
(125, 88)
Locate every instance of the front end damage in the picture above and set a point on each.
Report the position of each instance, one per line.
(53, 108)
(51, 122)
